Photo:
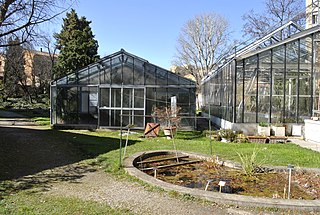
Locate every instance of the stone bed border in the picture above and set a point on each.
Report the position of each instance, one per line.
(233, 199)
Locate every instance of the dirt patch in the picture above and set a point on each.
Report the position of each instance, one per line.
(206, 175)
(29, 150)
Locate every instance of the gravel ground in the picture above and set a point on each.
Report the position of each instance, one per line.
(101, 187)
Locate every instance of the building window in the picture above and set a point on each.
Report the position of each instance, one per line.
(314, 19)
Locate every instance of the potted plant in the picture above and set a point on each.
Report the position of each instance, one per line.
(263, 129)
(168, 118)
(227, 135)
(278, 129)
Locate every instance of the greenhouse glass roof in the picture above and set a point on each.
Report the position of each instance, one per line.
(123, 68)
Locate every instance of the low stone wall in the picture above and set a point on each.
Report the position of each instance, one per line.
(234, 199)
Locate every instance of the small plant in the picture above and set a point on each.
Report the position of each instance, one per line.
(167, 116)
(263, 124)
(264, 129)
(249, 162)
(227, 134)
(277, 124)
(241, 138)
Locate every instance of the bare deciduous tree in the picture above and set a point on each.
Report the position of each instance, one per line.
(277, 13)
(201, 43)
(51, 48)
(20, 18)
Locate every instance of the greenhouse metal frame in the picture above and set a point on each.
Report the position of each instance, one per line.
(273, 80)
(119, 90)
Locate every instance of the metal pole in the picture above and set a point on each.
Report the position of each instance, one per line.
(210, 130)
(290, 167)
(120, 148)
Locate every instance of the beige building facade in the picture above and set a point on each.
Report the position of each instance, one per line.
(312, 11)
(37, 67)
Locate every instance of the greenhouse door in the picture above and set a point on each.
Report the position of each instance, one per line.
(128, 102)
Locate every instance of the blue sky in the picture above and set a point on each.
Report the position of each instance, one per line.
(150, 28)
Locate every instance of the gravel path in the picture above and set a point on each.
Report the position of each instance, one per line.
(101, 187)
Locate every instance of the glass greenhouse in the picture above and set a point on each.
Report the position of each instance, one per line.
(274, 80)
(119, 88)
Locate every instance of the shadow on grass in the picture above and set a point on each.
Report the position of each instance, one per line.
(24, 113)
(25, 153)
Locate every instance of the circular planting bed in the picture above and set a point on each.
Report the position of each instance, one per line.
(225, 182)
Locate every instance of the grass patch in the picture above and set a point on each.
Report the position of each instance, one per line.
(27, 203)
(44, 121)
(269, 154)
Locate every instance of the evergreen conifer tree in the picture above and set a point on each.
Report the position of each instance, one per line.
(76, 43)
(14, 75)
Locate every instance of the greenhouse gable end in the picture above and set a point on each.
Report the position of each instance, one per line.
(118, 90)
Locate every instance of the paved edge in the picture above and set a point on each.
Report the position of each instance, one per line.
(232, 199)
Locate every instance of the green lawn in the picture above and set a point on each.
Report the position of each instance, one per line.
(269, 154)
(32, 203)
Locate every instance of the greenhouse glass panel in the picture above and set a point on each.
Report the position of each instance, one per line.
(278, 71)
(104, 97)
(94, 73)
(184, 81)
(305, 81)
(150, 103)
(82, 77)
(139, 98)
(115, 118)
(264, 87)
(105, 75)
(72, 79)
(240, 90)
(161, 97)
(67, 105)
(138, 77)
(104, 117)
(227, 92)
(161, 77)
(53, 104)
(150, 74)
(62, 81)
(116, 97)
(316, 70)
(250, 94)
(173, 79)
(116, 75)
(138, 118)
(126, 117)
(127, 98)
(291, 82)
(88, 105)
(128, 71)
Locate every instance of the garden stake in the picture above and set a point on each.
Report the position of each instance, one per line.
(125, 147)
(290, 167)
(209, 181)
(155, 172)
